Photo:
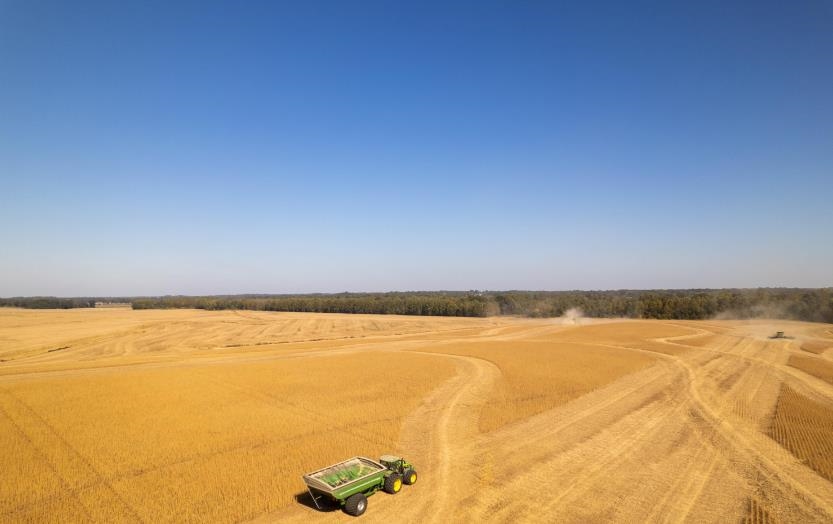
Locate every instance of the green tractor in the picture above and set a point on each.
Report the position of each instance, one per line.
(400, 466)
(350, 482)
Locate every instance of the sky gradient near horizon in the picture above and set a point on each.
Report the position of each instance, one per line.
(266, 147)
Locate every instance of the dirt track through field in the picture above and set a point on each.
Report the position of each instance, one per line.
(684, 440)
(684, 436)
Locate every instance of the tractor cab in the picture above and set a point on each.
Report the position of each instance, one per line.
(393, 463)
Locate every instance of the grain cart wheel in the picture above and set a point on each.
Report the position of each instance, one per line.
(393, 483)
(355, 504)
(410, 477)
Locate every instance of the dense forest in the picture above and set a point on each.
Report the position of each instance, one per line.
(814, 305)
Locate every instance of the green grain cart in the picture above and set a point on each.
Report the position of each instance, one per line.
(350, 482)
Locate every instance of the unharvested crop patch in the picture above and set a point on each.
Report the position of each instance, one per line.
(805, 427)
(813, 366)
(816, 347)
(756, 513)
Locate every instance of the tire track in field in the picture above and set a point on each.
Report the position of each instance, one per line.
(581, 447)
(798, 489)
(808, 385)
(736, 452)
(461, 500)
(456, 410)
(436, 436)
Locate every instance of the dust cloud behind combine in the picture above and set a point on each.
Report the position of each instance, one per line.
(572, 317)
(120, 415)
(757, 312)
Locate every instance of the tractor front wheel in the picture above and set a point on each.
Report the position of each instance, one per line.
(393, 483)
(355, 504)
(410, 477)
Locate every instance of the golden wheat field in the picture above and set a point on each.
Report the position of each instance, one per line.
(115, 415)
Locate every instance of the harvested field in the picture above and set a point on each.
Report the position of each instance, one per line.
(214, 441)
(118, 415)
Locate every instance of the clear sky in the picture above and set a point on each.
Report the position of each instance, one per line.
(198, 148)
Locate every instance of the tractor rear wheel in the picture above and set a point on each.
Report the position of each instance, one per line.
(355, 504)
(410, 477)
(393, 483)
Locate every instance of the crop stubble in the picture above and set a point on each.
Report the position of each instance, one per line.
(212, 416)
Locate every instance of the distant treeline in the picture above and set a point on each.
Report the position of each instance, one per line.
(446, 304)
(49, 302)
(814, 305)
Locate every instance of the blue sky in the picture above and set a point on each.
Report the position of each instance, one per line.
(196, 148)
